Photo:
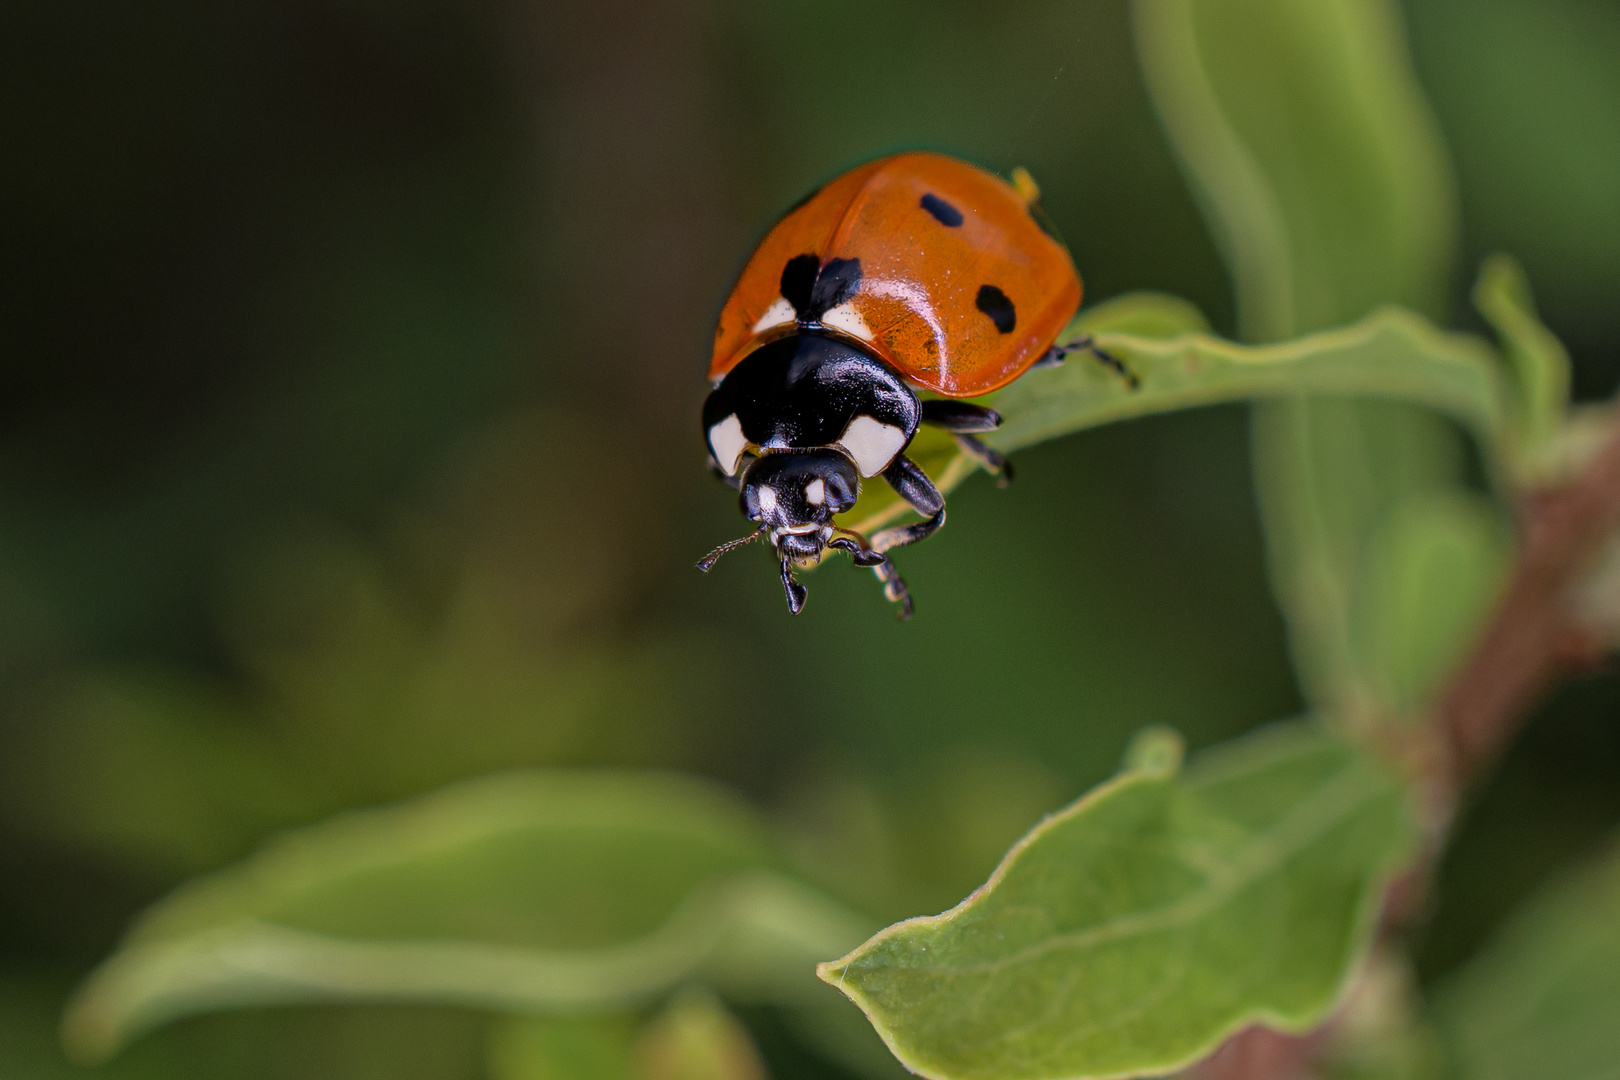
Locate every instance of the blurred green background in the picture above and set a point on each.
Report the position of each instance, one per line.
(352, 355)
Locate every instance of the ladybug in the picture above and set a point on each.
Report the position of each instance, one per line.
(912, 272)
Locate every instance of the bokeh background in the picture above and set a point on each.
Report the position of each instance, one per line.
(350, 359)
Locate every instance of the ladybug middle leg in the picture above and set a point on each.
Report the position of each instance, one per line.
(1054, 356)
(961, 419)
(914, 487)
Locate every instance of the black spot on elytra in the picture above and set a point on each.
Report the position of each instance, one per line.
(837, 283)
(994, 303)
(798, 279)
(943, 212)
(813, 289)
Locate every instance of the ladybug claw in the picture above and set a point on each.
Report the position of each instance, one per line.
(796, 593)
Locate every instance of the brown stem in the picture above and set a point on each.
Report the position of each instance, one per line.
(1258, 1053)
(1530, 642)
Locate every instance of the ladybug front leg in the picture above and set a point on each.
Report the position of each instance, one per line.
(894, 586)
(960, 418)
(913, 486)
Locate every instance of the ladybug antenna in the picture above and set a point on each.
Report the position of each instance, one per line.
(706, 563)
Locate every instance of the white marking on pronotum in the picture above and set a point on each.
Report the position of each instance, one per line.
(872, 444)
(767, 499)
(844, 317)
(815, 492)
(727, 442)
(775, 315)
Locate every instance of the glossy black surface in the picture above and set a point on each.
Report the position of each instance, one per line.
(959, 417)
(788, 477)
(801, 392)
(814, 289)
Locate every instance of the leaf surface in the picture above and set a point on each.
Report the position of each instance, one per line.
(1542, 999)
(1132, 932)
(1304, 131)
(528, 892)
(1392, 354)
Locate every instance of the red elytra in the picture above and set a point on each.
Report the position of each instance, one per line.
(960, 289)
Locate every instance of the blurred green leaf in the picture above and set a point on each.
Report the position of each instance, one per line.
(1326, 475)
(1540, 364)
(1433, 567)
(1540, 1002)
(1305, 132)
(696, 1038)
(523, 892)
(556, 1048)
(1313, 151)
(1132, 932)
(1380, 1032)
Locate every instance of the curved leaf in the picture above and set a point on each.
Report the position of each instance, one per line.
(1309, 142)
(1132, 932)
(1541, 1000)
(1143, 314)
(1539, 361)
(524, 892)
(1391, 354)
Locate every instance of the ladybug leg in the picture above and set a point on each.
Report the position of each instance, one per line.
(914, 487)
(1056, 353)
(894, 586)
(796, 593)
(960, 418)
(732, 482)
(993, 463)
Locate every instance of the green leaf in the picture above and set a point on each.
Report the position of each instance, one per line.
(1391, 354)
(1134, 931)
(1538, 359)
(1142, 314)
(529, 892)
(695, 1038)
(1380, 1031)
(1433, 569)
(1308, 140)
(1541, 1000)
(552, 1048)
(1327, 473)
(1307, 137)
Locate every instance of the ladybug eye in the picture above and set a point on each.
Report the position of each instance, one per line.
(815, 492)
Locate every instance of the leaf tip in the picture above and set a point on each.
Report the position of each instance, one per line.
(1155, 750)
(832, 972)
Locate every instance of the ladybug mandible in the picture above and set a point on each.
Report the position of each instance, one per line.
(913, 271)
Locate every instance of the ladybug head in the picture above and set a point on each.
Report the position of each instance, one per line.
(793, 496)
